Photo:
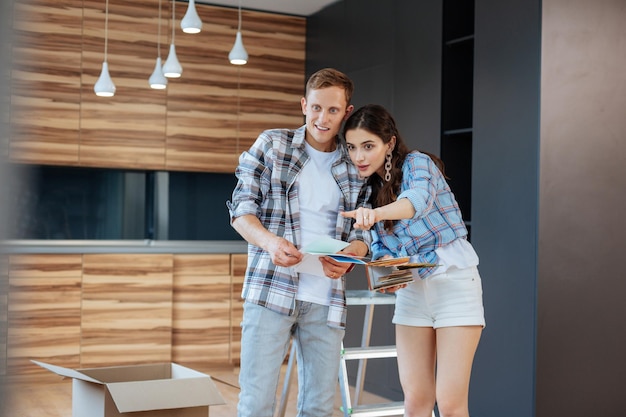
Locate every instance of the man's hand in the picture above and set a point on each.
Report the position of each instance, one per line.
(283, 252)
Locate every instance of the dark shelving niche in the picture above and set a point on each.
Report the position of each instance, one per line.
(457, 94)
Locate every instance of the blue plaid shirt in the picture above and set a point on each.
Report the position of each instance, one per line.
(437, 219)
(268, 188)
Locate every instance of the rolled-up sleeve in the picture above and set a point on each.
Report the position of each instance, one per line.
(418, 183)
(248, 193)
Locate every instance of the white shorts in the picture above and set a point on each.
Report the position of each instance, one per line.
(452, 298)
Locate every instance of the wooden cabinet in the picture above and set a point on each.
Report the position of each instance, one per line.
(216, 110)
(127, 130)
(44, 311)
(238, 268)
(201, 122)
(201, 313)
(126, 309)
(4, 304)
(90, 310)
(46, 82)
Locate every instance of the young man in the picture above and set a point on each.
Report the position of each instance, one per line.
(292, 184)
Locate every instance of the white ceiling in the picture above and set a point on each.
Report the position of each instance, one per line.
(292, 7)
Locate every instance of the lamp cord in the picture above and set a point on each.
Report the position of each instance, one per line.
(239, 25)
(173, 19)
(159, 33)
(238, 90)
(238, 109)
(106, 29)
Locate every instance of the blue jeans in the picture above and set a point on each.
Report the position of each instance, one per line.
(264, 343)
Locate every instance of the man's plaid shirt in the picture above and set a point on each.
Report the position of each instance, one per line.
(268, 188)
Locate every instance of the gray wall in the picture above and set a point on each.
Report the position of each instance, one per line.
(504, 202)
(392, 52)
(547, 188)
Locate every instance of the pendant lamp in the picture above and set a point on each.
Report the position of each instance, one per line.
(191, 22)
(172, 68)
(104, 87)
(157, 79)
(238, 55)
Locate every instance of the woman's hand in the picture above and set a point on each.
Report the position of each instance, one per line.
(392, 289)
(365, 218)
(395, 287)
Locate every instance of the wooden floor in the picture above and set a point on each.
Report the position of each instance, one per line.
(51, 396)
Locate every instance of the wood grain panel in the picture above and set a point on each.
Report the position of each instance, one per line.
(45, 90)
(43, 311)
(201, 122)
(238, 265)
(201, 312)
(216, 109)
(127, 309)
(128, 129)
(273, 84)
(4, 304)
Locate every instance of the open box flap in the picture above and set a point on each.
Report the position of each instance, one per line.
(70, 373)
(164, 394)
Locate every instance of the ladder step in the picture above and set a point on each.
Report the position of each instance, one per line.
(369, 352)
(377, 410)
(366, 297)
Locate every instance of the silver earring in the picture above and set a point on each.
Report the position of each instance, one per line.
(388, 167)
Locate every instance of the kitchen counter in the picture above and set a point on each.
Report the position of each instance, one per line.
(123, 246)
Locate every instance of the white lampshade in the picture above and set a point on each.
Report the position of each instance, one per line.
(238, 55)
(191, 22)
(172, 68)
(104, 87)
(157, 79)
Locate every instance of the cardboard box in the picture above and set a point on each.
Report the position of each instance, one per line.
(153, 390)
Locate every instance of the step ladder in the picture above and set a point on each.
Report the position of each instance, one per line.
(362, 353)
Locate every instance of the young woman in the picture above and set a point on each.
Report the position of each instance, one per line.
(439, 317)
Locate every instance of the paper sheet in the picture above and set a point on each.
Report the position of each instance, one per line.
(323, 246)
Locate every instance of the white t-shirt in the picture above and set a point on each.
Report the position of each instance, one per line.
(319, 208)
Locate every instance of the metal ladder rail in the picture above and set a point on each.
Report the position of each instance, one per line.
(353, 297)
(362, 353)
(282, 407)
(369, 299)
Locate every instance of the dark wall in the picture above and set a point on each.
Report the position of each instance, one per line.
(547, 181)
(392, 52)
(505, 173)
(507, 61)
